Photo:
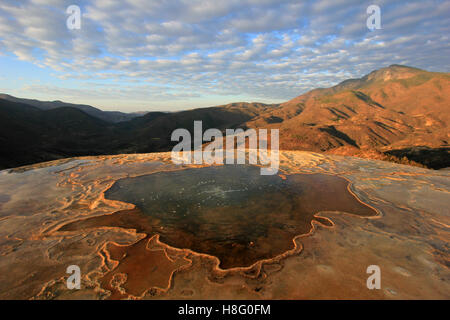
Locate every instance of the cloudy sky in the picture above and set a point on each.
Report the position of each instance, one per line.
(135, 55)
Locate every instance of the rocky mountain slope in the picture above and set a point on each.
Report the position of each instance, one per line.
(396, 113)
(393, 108)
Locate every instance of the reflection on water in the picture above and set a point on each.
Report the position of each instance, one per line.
(231, 212)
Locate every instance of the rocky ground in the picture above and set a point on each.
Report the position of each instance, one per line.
(408, 240)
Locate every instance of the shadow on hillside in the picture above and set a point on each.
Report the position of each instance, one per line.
(433, 158)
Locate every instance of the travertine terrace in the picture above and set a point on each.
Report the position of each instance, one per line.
(407, 237)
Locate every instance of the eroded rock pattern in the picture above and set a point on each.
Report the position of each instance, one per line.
(408, 238)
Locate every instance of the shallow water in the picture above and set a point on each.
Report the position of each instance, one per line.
(231, 212)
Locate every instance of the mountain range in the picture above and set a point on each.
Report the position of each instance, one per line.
(397, 113)
(109, 116)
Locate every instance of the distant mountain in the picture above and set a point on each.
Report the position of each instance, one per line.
(394, 108)
(29, 134)
(109, 116)
(152, 132)
(397, 113)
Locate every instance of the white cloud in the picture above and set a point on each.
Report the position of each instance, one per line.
(265, 49)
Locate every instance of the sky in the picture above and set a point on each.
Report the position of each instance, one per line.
(142, 55)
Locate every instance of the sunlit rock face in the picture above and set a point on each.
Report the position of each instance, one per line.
(140, 227)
